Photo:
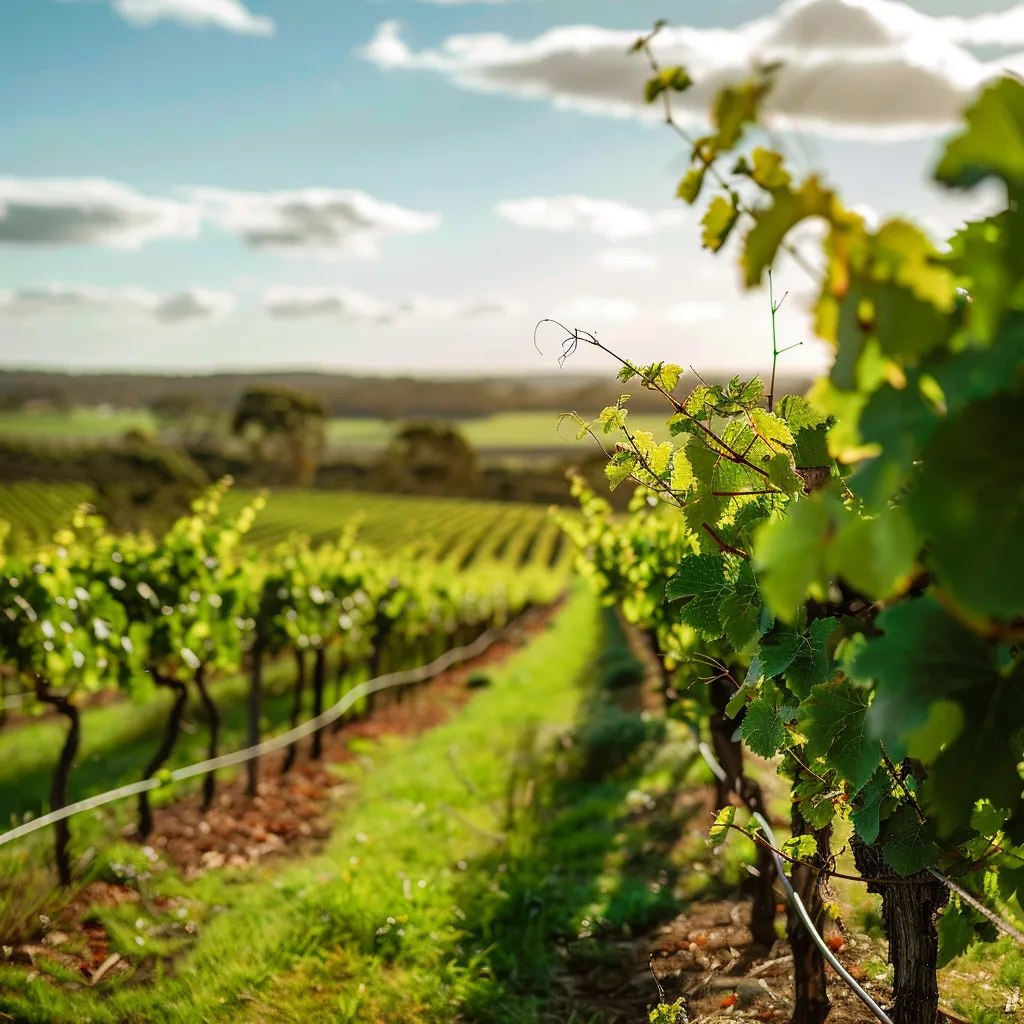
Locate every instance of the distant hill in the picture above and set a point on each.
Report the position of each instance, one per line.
(394, 398)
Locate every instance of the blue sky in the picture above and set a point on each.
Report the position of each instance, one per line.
(153, 156)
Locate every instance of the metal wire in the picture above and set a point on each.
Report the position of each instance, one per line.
(797, 903)
(403, 678)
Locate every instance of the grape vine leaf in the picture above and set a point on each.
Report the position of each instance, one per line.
(899, 422)
(992, 144)
(969, 501)
(702, 579)
(778, 650)
(790, 555)
(740, 610)
(764, 725)
(835, 724)
(812, 665)
(789, 208)
(909, 844)
(956, 932)
(720, 827)
(867, 815)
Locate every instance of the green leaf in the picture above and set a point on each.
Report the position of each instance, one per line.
(777, 651)
(771, 225)
(969, 501)
(718, 222)
(675, 78)
(741, 610)
(619, 470)
(836, 728)
(771, 427)
(899, 421)
(909, 844)
(682, 478)
(992, 145)
(691, 183)
(956, 932)
(867, 815)
(764, 725)
(875, 556)
(923, 655)
(781, 474)
(812, 666)
(801, 847)
(768, 170)
(720, 828)
(659, 457)
(789, 556)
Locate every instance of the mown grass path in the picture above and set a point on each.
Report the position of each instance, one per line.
(397, 918)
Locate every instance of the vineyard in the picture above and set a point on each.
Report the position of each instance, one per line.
(751, 751)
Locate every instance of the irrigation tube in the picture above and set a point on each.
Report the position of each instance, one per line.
(798, 905)
(384, 682)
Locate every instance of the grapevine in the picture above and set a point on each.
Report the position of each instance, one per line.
(851, 561)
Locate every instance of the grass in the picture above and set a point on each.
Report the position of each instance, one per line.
(74, 425)
(509, 430)
(474, 865)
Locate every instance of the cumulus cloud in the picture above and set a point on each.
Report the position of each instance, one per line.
(230, 15)
(313, 222)
(299, 302)
(870, 69)
(617, 260)
(87, 211)
(608, 218)
(193, 303)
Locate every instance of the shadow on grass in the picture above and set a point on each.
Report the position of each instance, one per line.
(589, 859)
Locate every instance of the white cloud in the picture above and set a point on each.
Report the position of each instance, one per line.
(297, 302)
(626, 260)
(871, 69)
(231, 15)
(608, 218)
(87, 211)
(193, 303)
(694, 312)
(314, 222)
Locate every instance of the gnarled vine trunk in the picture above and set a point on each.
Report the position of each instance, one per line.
(811, 1004)
(339, 687)
(319, 679)
(213, 721)
(300, 687)
(910, 912)
(255, 709)
(729, 753)
(170, 738)
(59, 783)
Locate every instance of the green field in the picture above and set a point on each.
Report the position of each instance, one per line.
(453, 530)
(514, 430)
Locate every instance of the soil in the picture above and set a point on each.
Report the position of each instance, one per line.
(288, 814)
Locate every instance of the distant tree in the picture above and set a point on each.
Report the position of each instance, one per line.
(283, 426)
(430, 457)
(185, 414)
(147, 484)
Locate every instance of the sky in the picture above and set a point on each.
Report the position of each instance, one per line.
(408, 186)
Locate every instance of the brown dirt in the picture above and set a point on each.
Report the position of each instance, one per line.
(287, 814)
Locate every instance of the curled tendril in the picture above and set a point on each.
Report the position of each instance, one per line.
(569, 342)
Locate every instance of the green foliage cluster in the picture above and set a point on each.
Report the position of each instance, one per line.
(852, 561)
(94, 610)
